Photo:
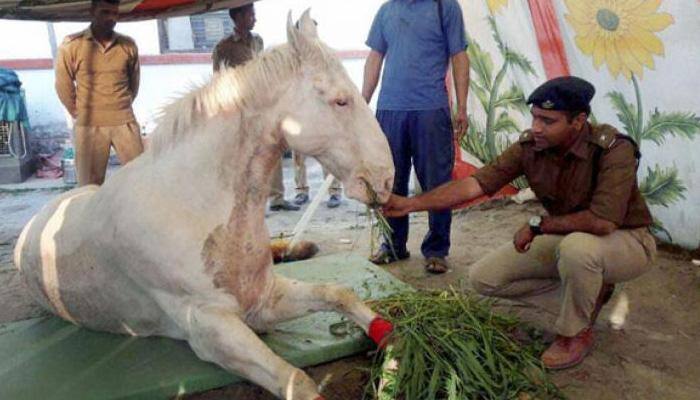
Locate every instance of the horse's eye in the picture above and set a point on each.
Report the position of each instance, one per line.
(341, 102)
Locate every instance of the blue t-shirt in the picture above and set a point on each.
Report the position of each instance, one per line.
(416, 51)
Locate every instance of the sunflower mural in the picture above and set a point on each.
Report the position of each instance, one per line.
(622, 35)
(496, 5)
(487, 140)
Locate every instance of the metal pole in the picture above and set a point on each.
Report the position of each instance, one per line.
(52, 39)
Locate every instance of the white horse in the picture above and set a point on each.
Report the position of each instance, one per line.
(175, 244)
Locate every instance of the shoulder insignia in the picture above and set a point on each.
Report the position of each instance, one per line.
(604, 135)
(526, 137)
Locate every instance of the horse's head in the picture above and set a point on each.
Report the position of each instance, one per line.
(324, 116)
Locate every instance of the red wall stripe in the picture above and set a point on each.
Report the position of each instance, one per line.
(546, 24)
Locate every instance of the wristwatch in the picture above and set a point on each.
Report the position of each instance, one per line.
(535, 225)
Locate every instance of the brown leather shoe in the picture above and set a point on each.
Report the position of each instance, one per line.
(566, 352)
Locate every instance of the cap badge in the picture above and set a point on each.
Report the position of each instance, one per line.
(547, 104)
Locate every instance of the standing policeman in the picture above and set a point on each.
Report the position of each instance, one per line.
(97, 79)
(596, 231)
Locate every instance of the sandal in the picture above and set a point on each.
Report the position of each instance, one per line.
(436, 265)
(386, 256)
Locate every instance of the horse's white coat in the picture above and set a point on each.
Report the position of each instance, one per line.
(175, 243)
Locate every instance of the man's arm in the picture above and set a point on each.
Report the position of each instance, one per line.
(135, 74)
(373, 67)
(65, 81)
(440, 198)
(460, 74)
(582, 221)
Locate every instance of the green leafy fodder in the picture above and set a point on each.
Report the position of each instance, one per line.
(450, 345)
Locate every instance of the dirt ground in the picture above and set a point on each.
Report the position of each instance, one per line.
(656, 354)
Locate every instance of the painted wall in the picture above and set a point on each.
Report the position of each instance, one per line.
(343, 25)
(642, 53)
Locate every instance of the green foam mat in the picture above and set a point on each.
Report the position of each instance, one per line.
(48, 358)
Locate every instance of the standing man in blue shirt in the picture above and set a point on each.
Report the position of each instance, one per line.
(415, 40)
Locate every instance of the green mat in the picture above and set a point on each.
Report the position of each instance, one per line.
(47, 358)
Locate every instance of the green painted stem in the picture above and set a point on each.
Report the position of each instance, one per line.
(491, 112)
(640, 113)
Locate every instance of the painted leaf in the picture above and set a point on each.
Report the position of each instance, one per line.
(505, 124)
(683, 124)
(481, 93)
(626, 113)
(482, 65)
(662, 187)
(513, 98)
(518, 60)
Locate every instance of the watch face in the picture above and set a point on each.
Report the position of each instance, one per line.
(535, 221)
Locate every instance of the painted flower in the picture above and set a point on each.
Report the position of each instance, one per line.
(495, 5)
(619, 33)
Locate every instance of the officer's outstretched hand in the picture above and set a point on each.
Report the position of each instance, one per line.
(396, 206)
(522, 239)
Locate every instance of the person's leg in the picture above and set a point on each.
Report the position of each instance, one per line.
(277, 185)
(587, 261)
(92, 145)
(335, 192)
(336, 187)
(302, 185)
(395, 124)
(433, 157)
(127, 142)
(506, 273)
(277, 201)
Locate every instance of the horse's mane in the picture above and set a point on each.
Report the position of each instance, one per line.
(233, 90)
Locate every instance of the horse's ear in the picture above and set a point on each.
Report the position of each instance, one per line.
(307, 25)
(298, 38)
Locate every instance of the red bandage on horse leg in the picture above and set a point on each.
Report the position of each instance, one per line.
(379, 329)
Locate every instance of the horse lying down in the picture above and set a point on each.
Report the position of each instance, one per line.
(186, 255)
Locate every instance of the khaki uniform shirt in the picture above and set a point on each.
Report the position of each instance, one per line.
(97, 84)
(572, 182)
(235, 50)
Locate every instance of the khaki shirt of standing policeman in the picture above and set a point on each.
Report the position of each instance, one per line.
(598, 173)
(97, 84)
(235, 50)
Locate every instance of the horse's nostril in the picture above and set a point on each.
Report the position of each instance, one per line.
(389, 184)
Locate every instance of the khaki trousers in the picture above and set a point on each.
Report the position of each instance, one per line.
(579, 263)
(92, 145)
(300, 177)
(277, 185)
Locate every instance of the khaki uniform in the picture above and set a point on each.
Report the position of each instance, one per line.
(236, 50)
(597, 174)
(303, 184)
(97, 85)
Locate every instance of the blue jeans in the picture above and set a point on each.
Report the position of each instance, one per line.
(422, 138)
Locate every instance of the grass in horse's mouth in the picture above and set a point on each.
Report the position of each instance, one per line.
(380, 229)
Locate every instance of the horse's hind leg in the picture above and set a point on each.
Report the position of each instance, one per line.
(218, 335)
(291, 299)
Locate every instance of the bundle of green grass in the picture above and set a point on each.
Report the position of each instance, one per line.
(450, 345)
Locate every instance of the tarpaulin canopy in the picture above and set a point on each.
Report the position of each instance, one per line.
(130, 10)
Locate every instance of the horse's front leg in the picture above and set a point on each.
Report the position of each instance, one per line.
(218, 335)
(290, 299)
